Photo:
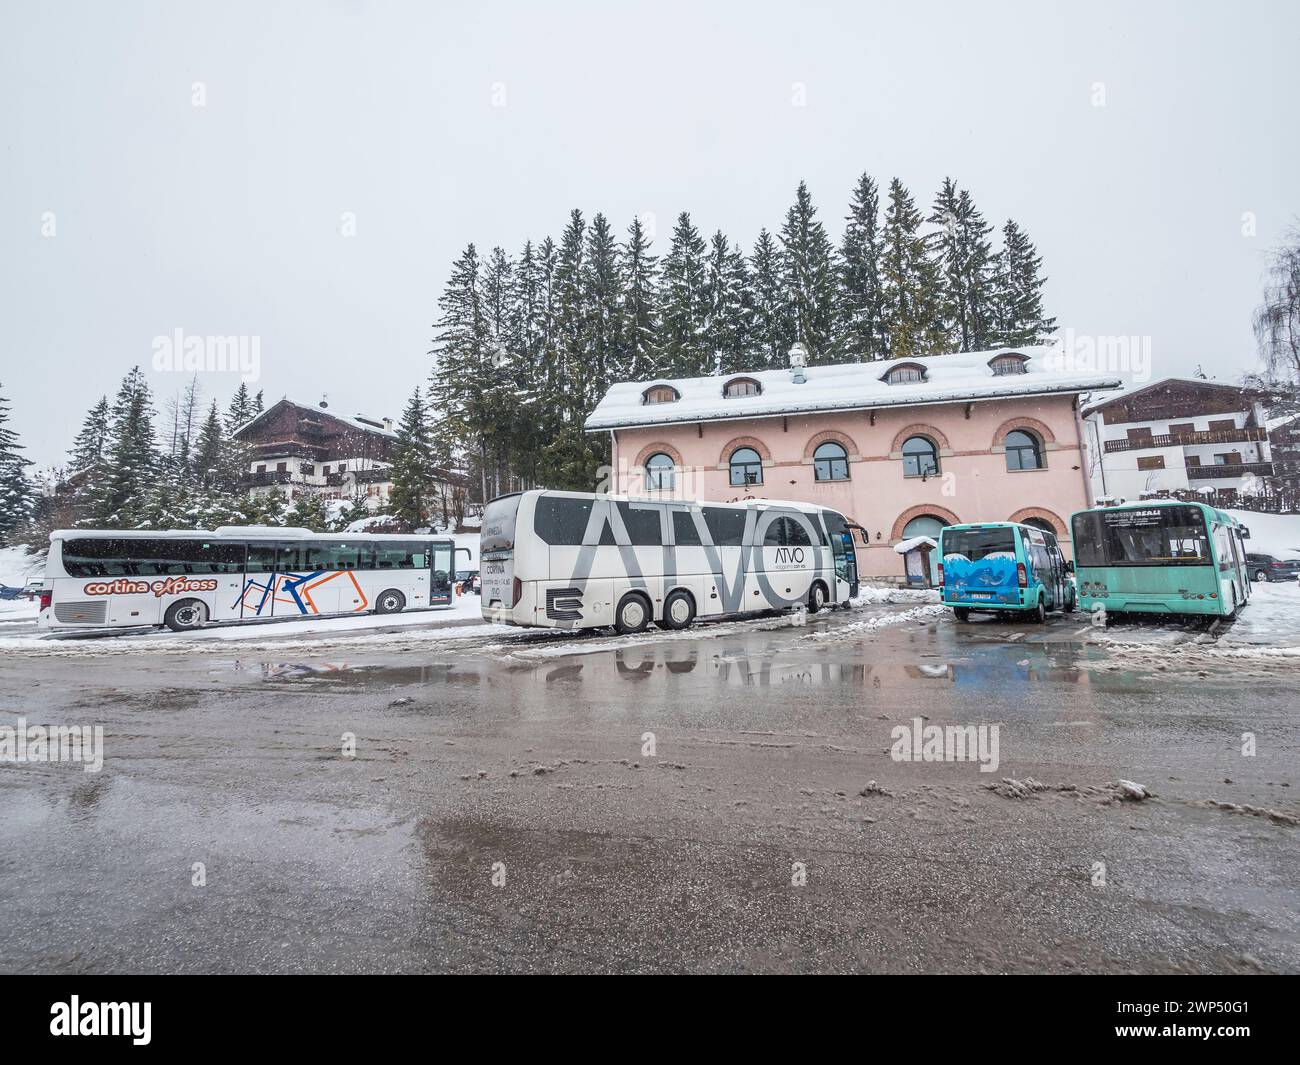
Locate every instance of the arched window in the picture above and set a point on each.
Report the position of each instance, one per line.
(924, 525)
(660, 394)
(830, 462)
(920, 457)
(741, 386)
(658, 472)
(1024, 452)
(908, 373)
(1010, 363)
(746, 466)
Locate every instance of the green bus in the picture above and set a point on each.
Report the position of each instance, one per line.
(1160, 557)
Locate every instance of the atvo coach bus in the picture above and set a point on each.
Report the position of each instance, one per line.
(1161, 557)
(570, 560)
(185, 579)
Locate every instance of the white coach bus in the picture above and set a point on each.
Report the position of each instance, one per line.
(571, 561)
(101, 579)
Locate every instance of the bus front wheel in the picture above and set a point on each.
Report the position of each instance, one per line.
(632, 615)
(185, 615)
(390, 601)
(679, 611)
(1039, 613)
(816, 597)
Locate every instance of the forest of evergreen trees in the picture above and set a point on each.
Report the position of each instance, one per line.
(525, 346)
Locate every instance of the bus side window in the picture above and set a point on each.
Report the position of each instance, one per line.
(726, 526)
(561, 522)
(261, 558)
(685, 534)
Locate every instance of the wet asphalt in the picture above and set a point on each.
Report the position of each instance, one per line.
(504, 812)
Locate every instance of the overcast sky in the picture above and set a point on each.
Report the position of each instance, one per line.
(225, 218)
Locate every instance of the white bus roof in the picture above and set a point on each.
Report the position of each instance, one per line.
(231, 532)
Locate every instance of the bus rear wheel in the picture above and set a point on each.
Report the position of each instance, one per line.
(679, 611)
(632, 615)
(390, 601)
(186, 614)
(961, 613)
(1039, 614)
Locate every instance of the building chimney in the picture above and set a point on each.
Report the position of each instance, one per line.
(388, 424)
(324, 400)
(798, 361)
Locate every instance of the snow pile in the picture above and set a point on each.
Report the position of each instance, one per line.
(880, 621)
(903, 547)
(876, 594)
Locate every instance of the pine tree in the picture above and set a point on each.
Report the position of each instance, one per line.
(413, 496)
(308, 512)
(88, 450)
(1018, 316)
(122, 497)
(964, 257)
(772, 331)
(207, 464)
(639, 332)
(808, 269)
(602, 292)
(860, 334)
(684, 304)
(16, 495)
(469, 384)
(240, 409)
(910, 281)
(728, 329)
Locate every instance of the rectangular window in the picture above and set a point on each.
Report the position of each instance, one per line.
(281, 467)
(161, 557)
(1139, 436)
(395, 554)
(1193, 460)
(560, 521)
(261, 558)
(1222, 425)
(308, 469)
(642, 524)
(1147, 536)
(975, 544)
(684, 531)
(1232, 458)
(726, 526)
(1151, 462)
(1182, 429)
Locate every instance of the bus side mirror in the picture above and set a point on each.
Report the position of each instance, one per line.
(1069, 565)
(1245, 533)
(468, 553)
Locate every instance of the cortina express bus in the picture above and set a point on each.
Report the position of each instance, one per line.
(573, 561)
(183, 580)
(1161, 557)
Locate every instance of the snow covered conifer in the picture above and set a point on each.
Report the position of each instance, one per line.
(412, 499)
(910, 281)
(638, 335)
(1018, 284)
(773, 332)
(120, 499)
(860, 333)
(808, 269)
(16, 496)
(684, 304)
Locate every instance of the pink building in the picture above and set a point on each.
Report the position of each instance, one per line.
(902, 448)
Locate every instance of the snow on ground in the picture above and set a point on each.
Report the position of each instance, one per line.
(931, 612)
(17, 565)
(875, 594)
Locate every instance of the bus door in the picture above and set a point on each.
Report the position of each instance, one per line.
(441, 569)
(845, 559)
(228, 561)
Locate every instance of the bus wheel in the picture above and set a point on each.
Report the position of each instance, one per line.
(679, 611)
(390, 601)
(185, 615)
(1039, 614)
(961, 613)
(816, 597)
(632, 615)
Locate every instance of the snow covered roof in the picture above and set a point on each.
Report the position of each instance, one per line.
(357, 421)
(957, 378)
(1095, 403)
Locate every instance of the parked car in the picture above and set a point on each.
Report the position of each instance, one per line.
(1271, 568)
(32, 589)
(467, 581)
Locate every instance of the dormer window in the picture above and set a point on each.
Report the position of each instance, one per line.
(741, 386)
(1010, 363)
(660, 394)
(906, 374)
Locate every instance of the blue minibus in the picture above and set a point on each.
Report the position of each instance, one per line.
(1003, 567)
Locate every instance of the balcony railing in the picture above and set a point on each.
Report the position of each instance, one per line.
(268, 477)
(1209, 436)
(359, 477)
(1229, 470)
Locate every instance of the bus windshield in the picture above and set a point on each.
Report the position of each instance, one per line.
(1148, 536)
(975, 544)
(498, 531)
